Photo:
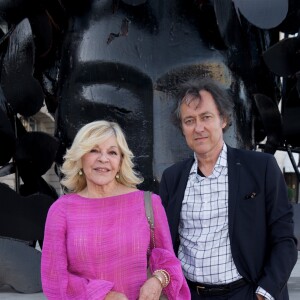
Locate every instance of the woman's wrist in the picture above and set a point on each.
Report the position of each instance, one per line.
(162, 276)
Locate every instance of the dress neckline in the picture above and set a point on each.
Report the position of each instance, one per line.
(108, 197)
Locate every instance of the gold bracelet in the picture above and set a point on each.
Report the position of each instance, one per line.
(158, 278)
(167, 276)
(165, 279)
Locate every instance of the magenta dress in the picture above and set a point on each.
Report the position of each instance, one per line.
(94, 246)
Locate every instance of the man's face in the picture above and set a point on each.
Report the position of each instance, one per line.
(202, 126)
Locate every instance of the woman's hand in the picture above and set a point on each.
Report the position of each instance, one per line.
(151, 289)
(115, 296)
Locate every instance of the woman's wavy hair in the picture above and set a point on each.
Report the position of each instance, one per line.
(87, 137)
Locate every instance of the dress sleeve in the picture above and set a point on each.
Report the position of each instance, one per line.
(57, 281)
(163, 256)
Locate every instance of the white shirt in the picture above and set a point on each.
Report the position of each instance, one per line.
(204, 239)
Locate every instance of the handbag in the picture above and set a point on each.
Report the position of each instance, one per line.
(150, 219)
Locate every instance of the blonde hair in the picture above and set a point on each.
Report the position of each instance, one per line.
(87, 137)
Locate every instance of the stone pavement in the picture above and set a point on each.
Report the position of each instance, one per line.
(293, 284)
(8, 294)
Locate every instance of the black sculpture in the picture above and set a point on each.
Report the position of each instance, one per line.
(122, 60)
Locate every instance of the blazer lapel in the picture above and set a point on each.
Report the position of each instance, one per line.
(179, 194)
(234, 167)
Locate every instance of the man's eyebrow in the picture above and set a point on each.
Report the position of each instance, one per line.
(187, 117)
(202, 114)
(206, 113)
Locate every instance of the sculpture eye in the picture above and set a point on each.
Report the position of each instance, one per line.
(134, 2)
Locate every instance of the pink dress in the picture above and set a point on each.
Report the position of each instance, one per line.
(94, 246)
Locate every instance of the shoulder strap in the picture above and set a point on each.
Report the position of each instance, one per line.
(148, 208)
(150, 217)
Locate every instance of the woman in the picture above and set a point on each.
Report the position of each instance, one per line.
(97, 236)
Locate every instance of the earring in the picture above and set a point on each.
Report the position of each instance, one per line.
(80, 173)
(117, 176)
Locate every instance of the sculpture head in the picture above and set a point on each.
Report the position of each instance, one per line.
(122, 61)
(124, 65)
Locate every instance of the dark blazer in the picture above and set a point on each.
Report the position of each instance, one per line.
(260, 217)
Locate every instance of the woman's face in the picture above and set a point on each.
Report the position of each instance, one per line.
(102, 164)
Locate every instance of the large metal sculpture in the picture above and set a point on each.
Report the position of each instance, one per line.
(122, 60)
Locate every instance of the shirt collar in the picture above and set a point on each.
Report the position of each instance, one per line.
(221, 161)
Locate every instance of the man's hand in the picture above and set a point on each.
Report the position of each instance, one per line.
(260, 297)
(150, 290)
(115, 296)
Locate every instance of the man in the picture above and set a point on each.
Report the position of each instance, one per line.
(229, 216)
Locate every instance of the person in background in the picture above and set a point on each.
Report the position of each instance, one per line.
(97, 236)
(228, 211)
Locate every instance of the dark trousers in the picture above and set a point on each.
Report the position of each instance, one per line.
(246, 292)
